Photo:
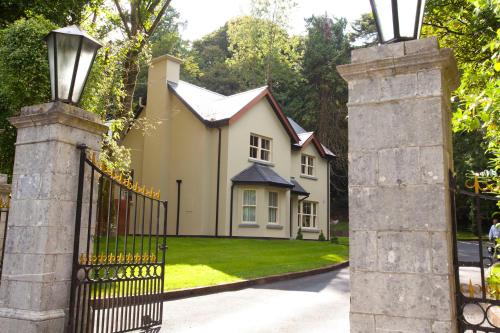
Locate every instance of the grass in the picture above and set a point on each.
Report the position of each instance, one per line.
(195, 262)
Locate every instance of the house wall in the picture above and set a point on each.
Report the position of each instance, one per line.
(316, 186)
(193, 160)
(260, 120)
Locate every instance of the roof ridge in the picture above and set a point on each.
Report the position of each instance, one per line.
(246, 91)
(203, 88)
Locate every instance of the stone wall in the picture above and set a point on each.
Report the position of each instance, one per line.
(400, 154)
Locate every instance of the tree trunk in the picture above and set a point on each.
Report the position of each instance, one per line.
(130, 80)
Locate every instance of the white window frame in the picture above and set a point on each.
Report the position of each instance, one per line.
(307, 166)
(244, 205)
(259, 149)
(274, 208)
(312, 216)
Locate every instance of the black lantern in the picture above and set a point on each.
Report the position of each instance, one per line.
(398, 20)
(71, 54)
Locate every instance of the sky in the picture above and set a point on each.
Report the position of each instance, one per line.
(205, 16)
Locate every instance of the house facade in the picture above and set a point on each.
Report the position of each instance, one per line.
(228, 165)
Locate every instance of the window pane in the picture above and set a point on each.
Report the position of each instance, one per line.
(273, 199)
(311, 161)
(254, 141)
(264, 155)
(249, 197)
(307, 208)
(303, 159)
(310, 170)
(314, 208)
(253, 152)
(272, 214)
(306, 221)
(249, 214)
(265, 144)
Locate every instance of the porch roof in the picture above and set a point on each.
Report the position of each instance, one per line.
(259, 174)
(298, 189)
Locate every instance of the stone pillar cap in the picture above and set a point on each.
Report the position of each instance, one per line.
(401, 58)
(58, 113)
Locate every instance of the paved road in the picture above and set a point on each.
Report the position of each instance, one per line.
(317, 304)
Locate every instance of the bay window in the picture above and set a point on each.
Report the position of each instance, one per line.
(307, 214)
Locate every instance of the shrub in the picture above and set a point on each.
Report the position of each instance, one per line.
(321, 236)
(299, 234)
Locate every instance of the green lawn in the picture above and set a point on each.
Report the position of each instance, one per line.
(194, 262)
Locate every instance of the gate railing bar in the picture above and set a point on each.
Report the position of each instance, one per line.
(5, 212)
(76, 241)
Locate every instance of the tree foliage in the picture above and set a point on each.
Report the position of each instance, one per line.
(327, 46)
(472, 29)
(25, 76)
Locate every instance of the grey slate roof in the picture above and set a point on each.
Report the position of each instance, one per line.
(298, 189)
(259, 174)
(296, 127)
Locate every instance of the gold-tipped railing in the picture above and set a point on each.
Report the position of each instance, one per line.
(483, 184)
(124, 180)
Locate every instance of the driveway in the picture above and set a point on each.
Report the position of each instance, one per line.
(317, 304)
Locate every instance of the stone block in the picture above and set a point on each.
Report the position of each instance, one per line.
(398, 87)
(419, 296)
(413, 207)
(419, 46)
(429, 83)
(364, 91)
(408, 123)
(398, 166)
(394, 250)
(363, 250)
(373, 53)
(391, 324)
(363, 168)
(362, 323)
(442, 260)
(444, 327)
(433, 165)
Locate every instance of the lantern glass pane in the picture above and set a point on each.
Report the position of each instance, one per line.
(421, 17)
(86, 56)
(67, 47)
(50, 47)
(385, 19)
(407, 12)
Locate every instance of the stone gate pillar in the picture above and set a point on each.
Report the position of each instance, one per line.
(36, 277)
(400, 152)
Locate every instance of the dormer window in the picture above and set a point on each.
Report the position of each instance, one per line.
(260, 148)
(307, 165)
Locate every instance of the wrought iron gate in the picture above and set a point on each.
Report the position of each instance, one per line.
(478, 297)
(119, 253)
(4, 220)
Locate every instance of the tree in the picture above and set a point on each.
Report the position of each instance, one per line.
(364, 31)
(275, 12)
(59, 12)
(25, 76)
(472, 29)
(326, 47)
(138, 23)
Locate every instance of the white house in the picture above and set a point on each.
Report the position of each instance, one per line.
(229, 165)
